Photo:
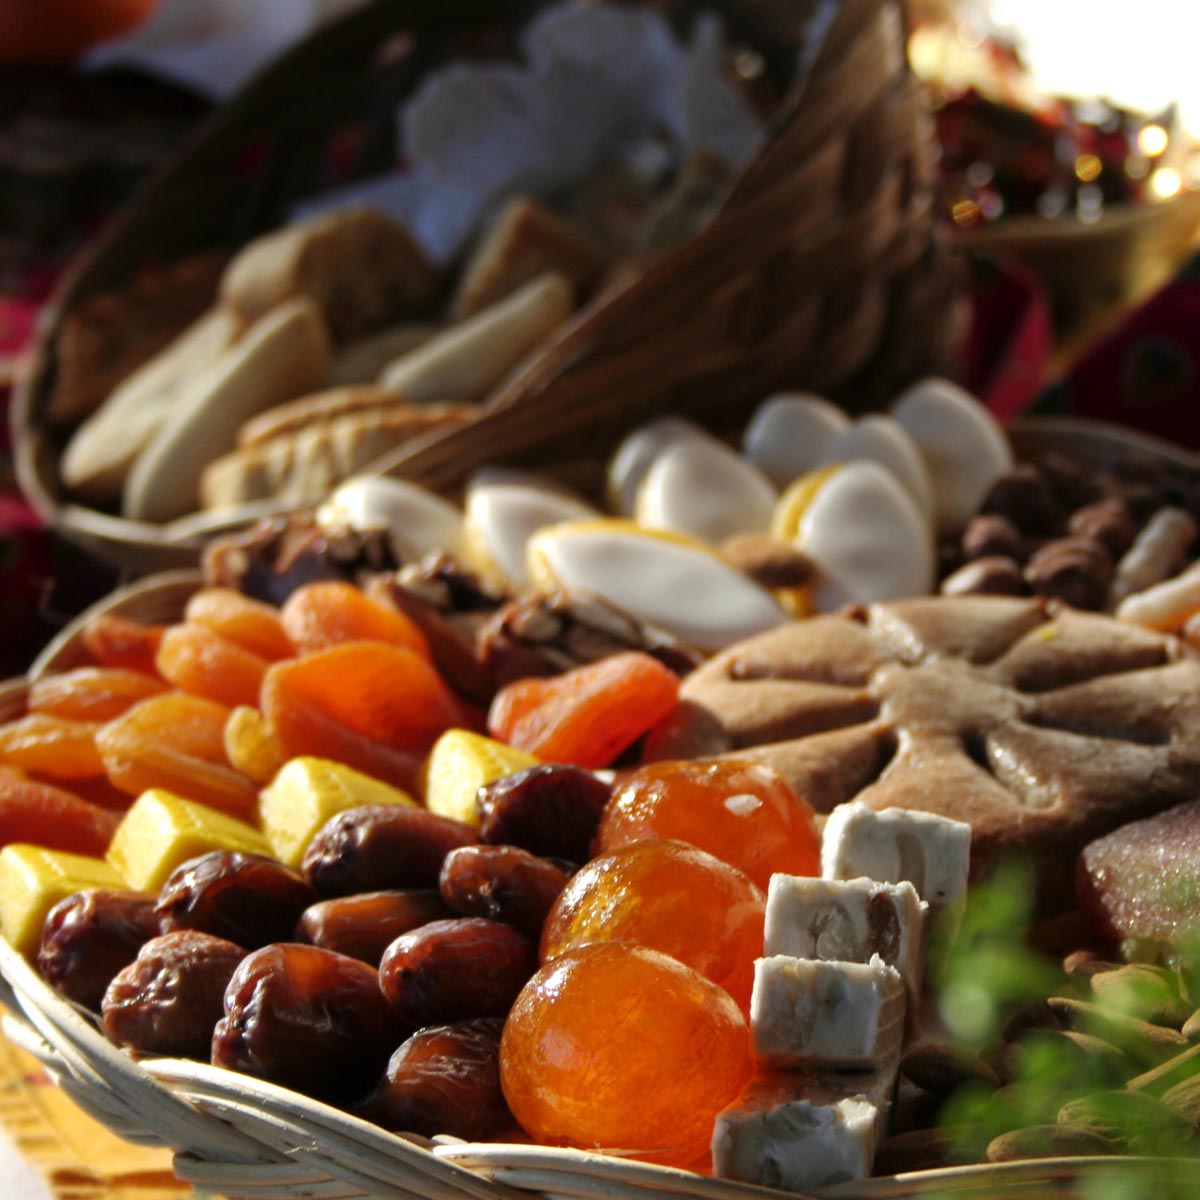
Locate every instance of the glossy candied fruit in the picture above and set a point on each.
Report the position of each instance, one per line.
(162, 831)
(34, 879)
(176, 742)
(328, 613)
(92, 693)
(115, 641)
(44, 815)
(248, 623)
(307, 1019)
(742, 813)
(670, 897)
(588, 715)
(616, 1046)
(199, 661)
(53, 746)
(459, 764)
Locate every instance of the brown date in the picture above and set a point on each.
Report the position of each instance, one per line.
(551, 810)
(502, 883)
(169, 998)
(381, 847)
(457, 969)
(307, 1019)
(90, 936)
(250, 899)
(444, 1079)
(363, 926)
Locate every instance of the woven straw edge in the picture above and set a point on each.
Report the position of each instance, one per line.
(290, 1145)
(141, 547)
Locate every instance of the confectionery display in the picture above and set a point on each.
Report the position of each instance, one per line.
(784, 792)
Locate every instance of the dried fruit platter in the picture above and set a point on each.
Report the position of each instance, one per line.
(240, 1135)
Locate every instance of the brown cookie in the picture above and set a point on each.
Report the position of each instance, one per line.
(1041, 726)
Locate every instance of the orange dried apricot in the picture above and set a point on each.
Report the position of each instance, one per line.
(386, 693)
(670, 897)
(743, 813)
(248, 623)
(203, 663)
(92, 693)
(53, 746)
(587, 715)
(48, 816)
(175, 742)
(328, 613)
(251, 745)
(616, 1046)
(115, 641)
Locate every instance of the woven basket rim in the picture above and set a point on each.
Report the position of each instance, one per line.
(141, 544)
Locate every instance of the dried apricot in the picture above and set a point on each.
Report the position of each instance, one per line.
(331, 612)
(588, 715)
(613, 1045)
(51, 746)
(251, 624)
(670, 897)
(251, 745)
(115, 641)
(49, 816)
(743, 813)
(92, 693)
(385, 693)
(203, 663)
(176, 742)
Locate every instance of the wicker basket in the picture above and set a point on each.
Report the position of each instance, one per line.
(821, 268)
(241, 1137)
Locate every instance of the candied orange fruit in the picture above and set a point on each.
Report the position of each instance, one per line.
(587, 715)
(248, 623)
(54, 746)
(115, 641)
(328, 613)
(615, 1046)
(175, 742)
(92, 693)
(201, 662)
(670, 897)
(49, 816)
(743, 813)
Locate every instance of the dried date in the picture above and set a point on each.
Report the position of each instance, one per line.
(307, 1019)
(249, 899)
(90, 936)
(382, 847)
(444, 1079)
(550, 810)
(169, 998)
(502, 883)
(363, 926)
(457, 969)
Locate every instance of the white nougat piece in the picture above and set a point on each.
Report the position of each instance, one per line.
(851, 920)
(800, 1131)
(932, 852)
(806, 1013)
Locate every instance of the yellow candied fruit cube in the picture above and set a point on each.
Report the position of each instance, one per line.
(161, 830)
(33, 880)
(251, 746)
(459, 764)
(306, 793)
